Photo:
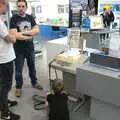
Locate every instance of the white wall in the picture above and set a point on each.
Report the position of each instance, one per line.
(49, 8)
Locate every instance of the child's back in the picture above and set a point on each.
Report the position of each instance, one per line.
(58, 107)
(58, 104)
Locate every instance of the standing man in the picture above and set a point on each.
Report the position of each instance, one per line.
(111, 17)
(7, 56)
(24, 27)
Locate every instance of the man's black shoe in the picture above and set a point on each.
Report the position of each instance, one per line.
(10, 116)
(12, 103)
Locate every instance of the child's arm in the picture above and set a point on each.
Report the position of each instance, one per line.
(46, 103)
(48, 99)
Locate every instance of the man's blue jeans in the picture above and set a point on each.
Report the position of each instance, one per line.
(26, 52)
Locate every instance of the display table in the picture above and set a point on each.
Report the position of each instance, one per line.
(69, 72)
(54, 47)
(49, 31)
(69, 76)
(94, 40)
(103, 86)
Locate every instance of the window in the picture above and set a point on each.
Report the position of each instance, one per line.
(38, 9)
(61, 9)
(67, 8)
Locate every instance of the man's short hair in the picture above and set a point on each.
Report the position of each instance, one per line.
(22, 1)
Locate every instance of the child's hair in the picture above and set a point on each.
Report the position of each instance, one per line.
(57, 86)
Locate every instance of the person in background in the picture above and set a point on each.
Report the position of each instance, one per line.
(104, 18)
(24, 27)
(108, 19)
(7, 56)
(57, 102)
(111, 17)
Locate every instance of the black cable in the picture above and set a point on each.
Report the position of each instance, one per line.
(50, 63)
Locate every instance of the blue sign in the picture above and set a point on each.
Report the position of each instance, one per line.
(85, 26)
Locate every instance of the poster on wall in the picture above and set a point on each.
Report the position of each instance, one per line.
(115, 5)
(77, 8)
(80, 4)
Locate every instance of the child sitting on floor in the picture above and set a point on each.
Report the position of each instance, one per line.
(57, 102)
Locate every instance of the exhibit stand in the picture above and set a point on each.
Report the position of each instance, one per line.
(93, 40)
(102, 85)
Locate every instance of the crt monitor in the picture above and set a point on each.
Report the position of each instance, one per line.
(96, 22)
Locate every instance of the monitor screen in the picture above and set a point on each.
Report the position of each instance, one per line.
(96, 22)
